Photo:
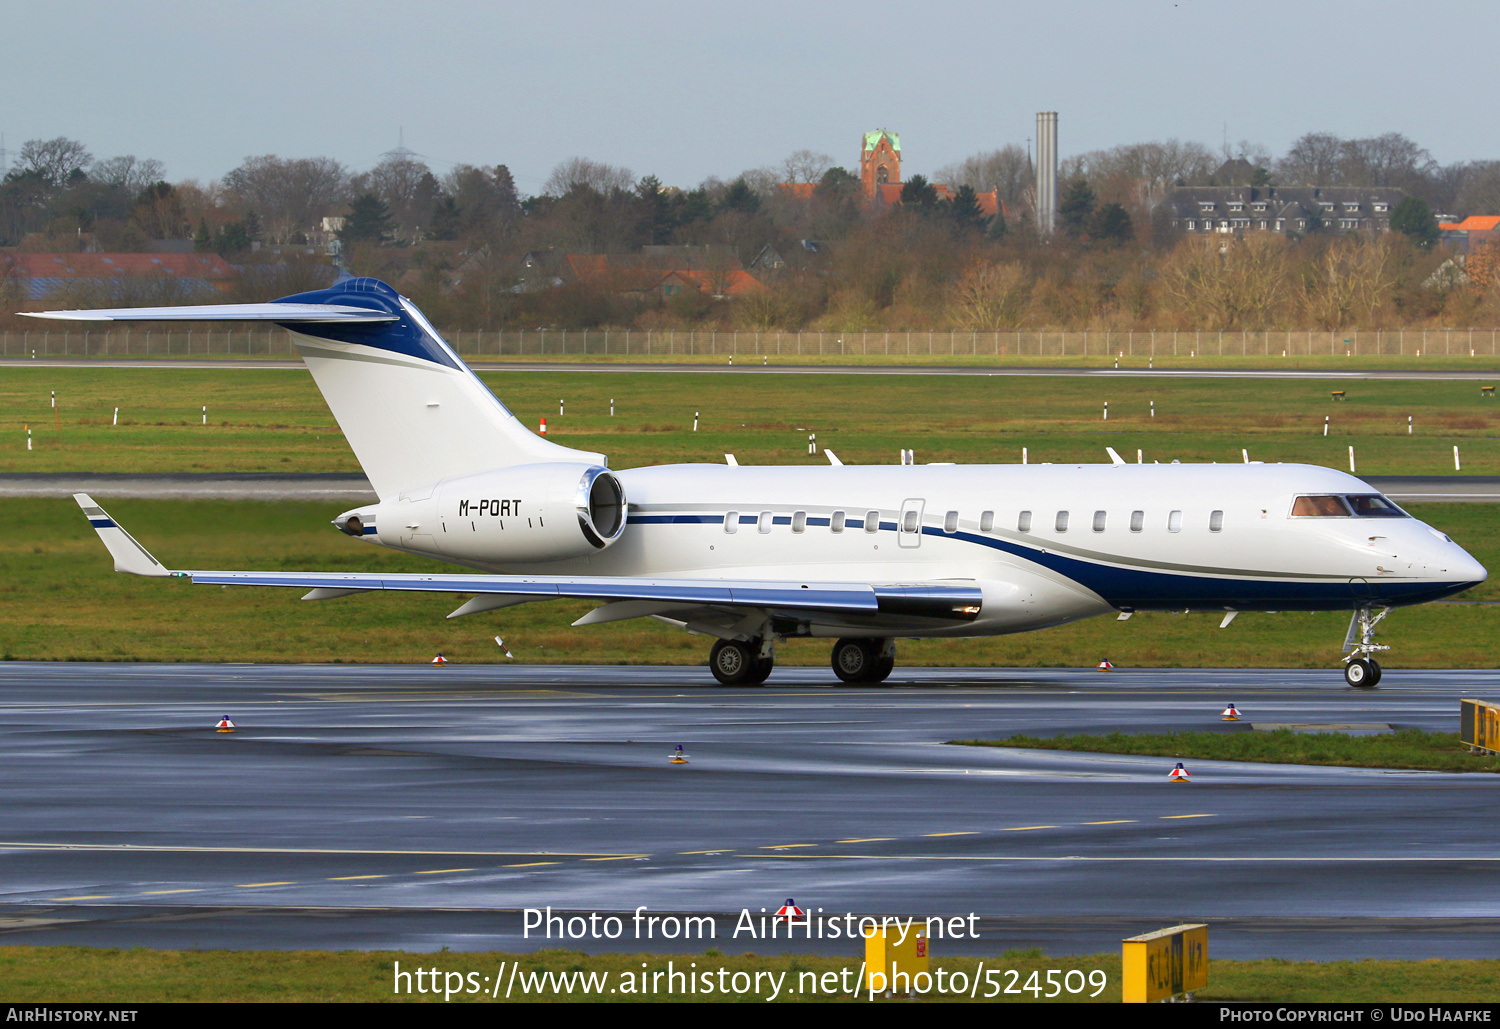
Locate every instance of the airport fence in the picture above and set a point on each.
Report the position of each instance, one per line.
(478, 344)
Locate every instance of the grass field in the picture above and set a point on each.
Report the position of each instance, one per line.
(61, 600)
(274, 420)
(1408, 748)
(85, 975)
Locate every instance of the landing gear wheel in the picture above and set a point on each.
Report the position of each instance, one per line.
(733, 663)
(1374, 672)
(1359, 674)
(762, 671)
(861, 661)
(854, 660)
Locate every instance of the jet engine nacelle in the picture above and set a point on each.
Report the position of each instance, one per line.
(523, 514)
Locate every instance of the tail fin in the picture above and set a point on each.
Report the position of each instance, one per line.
(410, 408)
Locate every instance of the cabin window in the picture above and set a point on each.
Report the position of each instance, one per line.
(1319, 507)
(836, 522)
(732, 521)
(1174, 521)
(872, 521)
(1062, 521)
(1137, 521)
(799, 521)
(764, 522)
(1373, 505)
(1216, 521)
(1100, 518)
(987, 521)
(950, 521)
(909, 522)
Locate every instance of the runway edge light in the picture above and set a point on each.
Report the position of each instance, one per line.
(1230, 714)
(225, 725)
(1178, 774)
(1105, 666)
(789, 912)
(440, 660)
(678, 757)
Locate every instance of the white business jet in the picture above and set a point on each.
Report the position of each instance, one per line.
(860, 555)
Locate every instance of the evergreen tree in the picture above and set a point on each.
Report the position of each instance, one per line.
(917, 192)
(998, 228)
(1110, 224)
(201, 239)
(368, 219)
(965, 210)
(252, 226)
(1076, 206)
(1413, 218)
(445, 219)
(740, 197)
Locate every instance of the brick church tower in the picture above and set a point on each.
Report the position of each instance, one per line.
(879, 162)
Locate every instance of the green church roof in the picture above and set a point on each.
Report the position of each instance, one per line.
(872, 140)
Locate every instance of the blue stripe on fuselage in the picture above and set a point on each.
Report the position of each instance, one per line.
(1145, 589)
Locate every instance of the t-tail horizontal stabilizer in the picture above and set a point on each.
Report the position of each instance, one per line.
(129, 555)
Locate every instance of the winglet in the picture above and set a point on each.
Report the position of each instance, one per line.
(129, 555)
(832, 458)
(1114, 457)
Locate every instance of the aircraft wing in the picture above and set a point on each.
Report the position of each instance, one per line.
(627, 596)
(279, 313)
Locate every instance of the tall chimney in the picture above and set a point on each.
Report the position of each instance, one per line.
(1046, 172)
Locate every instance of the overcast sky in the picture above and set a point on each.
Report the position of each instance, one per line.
(685, 90)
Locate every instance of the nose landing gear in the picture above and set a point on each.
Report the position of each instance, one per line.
(1361, 670)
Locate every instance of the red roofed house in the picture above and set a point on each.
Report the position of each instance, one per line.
(1477, 228)
(43, 276)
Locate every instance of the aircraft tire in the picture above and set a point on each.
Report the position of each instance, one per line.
(855, 661)
(883, 668)
(1375, 672)
(732, 662)
(1359, 674)
(762, 672)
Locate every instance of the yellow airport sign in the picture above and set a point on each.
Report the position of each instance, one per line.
(1479, 725)
(1165, 964)
(893, 957)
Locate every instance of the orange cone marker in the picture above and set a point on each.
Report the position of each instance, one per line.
(678, 757)
(544, 427)
(1230, 714)
(440, 660)
(1179, 774)
(225, 725)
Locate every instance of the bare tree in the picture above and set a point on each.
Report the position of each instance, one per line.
(1006, 171)
(55, 160)
(1314, 160)
(1479, 192)
(577, 172)
(991, 296)
(406, 186)
(1351, 278)
(128, 173)
(289, 195)
(1226, 283)
(805, 166)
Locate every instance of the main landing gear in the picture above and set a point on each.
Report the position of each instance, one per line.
(864, 661)
(736, 663)
(1361, 670)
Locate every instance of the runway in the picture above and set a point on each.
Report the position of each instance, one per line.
(420, 807)
(607, 367)
(356, 489)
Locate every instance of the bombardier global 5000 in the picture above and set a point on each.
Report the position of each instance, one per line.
(859, 555)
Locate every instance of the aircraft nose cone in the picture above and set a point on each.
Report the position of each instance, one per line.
(1470, 570)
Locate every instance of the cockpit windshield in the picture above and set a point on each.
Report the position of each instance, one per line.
(1319, 507)
(1363, 505)
(1373, 505)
